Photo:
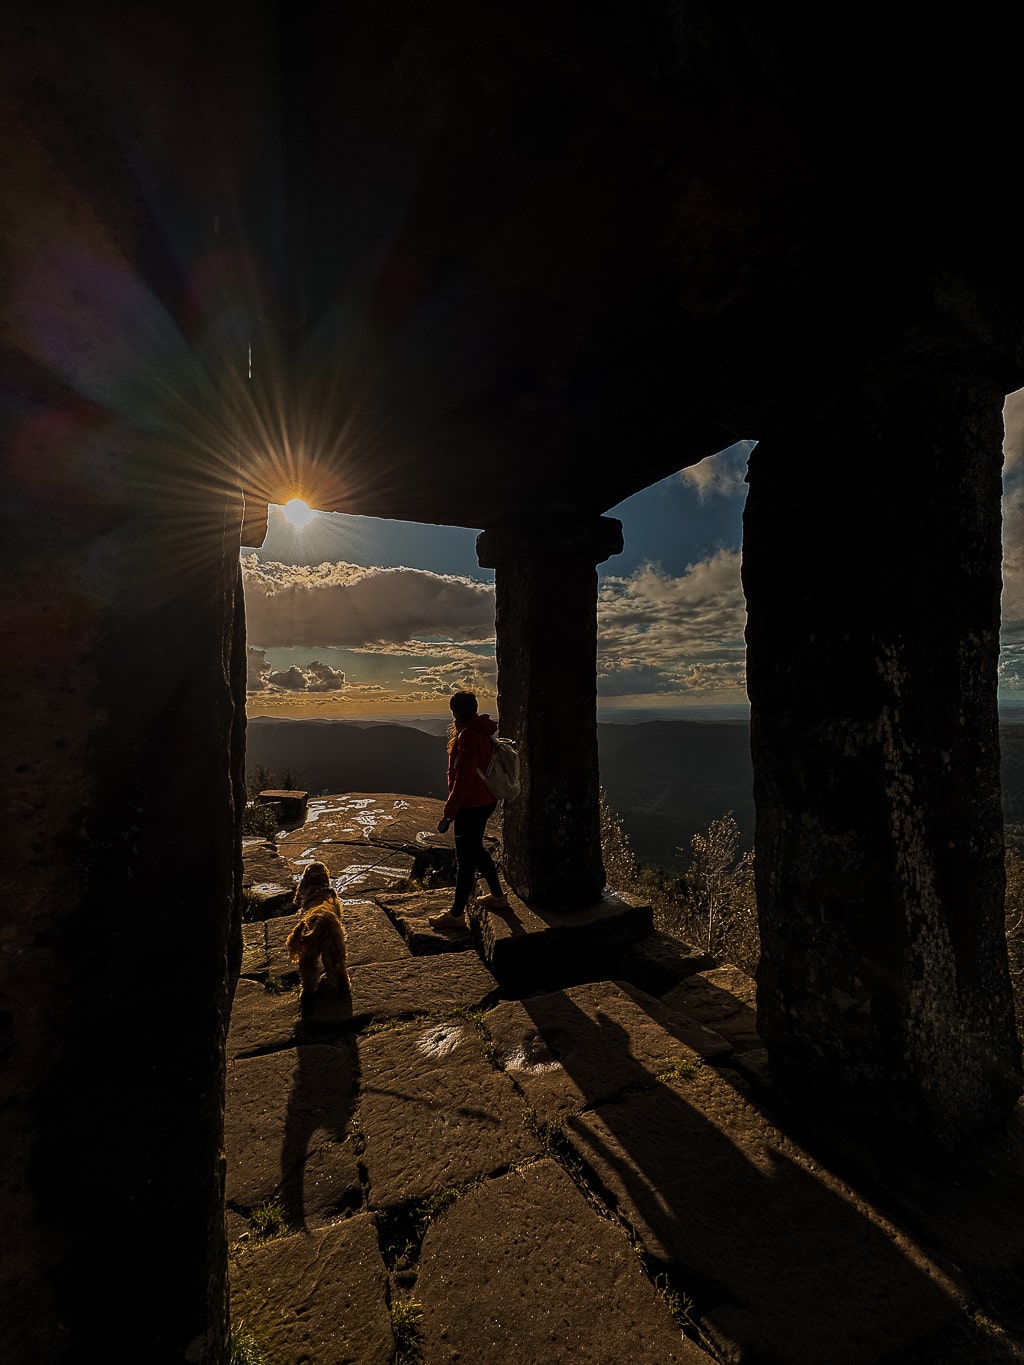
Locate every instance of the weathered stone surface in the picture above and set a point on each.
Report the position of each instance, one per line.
(434, 1112)
(724, 1000)
(318, 1297)
(358, 866)
(574, 1049)
(366, 818)
(659, 962)
(370, 935)
(261, 1020)
(522, 1269)
(785, 1262)
(267, 899)
(261, 862)
(286, 1123)
(389, 990)
(530, 949)
(255, 958)
(410, 913)
(755, 1068)
(290, 805)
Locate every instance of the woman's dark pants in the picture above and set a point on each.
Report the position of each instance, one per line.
(471, 856)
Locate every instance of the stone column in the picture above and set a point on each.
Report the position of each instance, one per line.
(546, 625)
(871, 565)
(125, 748)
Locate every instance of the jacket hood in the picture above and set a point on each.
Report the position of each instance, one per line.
(483, 725)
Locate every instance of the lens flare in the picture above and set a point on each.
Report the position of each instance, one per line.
(298, 513)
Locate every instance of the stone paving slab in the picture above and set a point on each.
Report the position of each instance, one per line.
(357, 868)
(268, 899)
(708, 1044)
(410, 912)
(574, 1049)
(287, 1117)
(255, 959)
(521, 1268)
(261, 862)
(785, 1263)
(317, 1298)
(407, 823)
(434, 1112)
(657, 963)
(371, 935)
(261, 1020)
(392, 990)
(723, 999)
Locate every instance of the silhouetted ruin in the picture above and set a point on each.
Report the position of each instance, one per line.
(493, 267)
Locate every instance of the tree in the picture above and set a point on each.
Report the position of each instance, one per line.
(722, 891)
(620, 864)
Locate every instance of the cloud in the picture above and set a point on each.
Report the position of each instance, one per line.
(257, 669)
(315, 677)
(722, 475)
(311, 677)
(659, 634)
(346, 605)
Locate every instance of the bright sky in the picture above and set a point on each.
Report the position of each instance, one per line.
(351, 616)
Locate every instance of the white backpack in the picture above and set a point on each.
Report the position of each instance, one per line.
(501, 776)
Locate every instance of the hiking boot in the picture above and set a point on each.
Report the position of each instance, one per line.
(494, 902)
(448, 921)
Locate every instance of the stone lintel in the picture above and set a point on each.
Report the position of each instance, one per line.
(549, 531)
(531, 949)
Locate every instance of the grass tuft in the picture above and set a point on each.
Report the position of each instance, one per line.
(267, 1221)
(246, 1350)
(406, 1316)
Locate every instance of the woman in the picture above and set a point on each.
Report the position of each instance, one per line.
(469, 805)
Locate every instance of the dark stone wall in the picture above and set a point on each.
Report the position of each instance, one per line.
(871, 566)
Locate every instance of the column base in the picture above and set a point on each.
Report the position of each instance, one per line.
(532, 950)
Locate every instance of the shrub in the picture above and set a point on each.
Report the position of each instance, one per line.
(722, 893)
(260, 820)
(711, 907)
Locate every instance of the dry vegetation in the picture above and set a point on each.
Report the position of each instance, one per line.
(710, 906)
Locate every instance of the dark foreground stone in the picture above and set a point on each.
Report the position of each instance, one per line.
(523, 1269)
(315, 1297)
(785, 1262)
(435, 1113)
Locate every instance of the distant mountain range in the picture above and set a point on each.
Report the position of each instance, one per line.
(666, 779)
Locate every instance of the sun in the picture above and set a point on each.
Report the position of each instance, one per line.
(298, 513)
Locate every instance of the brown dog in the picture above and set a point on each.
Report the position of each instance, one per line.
(319, 935)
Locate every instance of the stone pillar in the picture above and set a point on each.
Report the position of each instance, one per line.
(546, 625)
(124, 724)
(871, 565)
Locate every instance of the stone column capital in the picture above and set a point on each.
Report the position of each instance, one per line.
(549, 531)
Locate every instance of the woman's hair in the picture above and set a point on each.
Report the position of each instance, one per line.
(463, 708)
(463, 705)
